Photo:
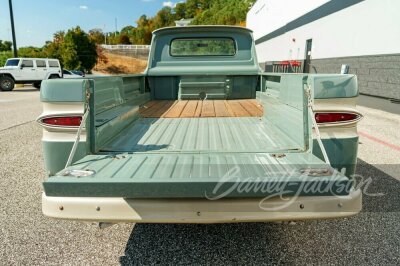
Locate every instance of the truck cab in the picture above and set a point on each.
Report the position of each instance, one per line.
(202, 136)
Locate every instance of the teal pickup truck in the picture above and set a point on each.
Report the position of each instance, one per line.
(202, 136)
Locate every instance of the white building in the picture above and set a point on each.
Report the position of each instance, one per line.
(183, 22)
(324, 34)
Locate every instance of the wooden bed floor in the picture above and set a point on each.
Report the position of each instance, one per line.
(197, 108)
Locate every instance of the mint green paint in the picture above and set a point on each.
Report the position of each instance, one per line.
(63, 90)
(325, 86)
(342, 153)
(202, 135)
(285, 106)
(333, 86)
(115, 102)
(193, 176)
(123, 116)
(115, 105)
(56, 154)
(244, 62)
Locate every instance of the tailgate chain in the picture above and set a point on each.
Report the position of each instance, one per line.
(78, 133)
(310, 105)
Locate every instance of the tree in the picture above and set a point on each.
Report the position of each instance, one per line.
(31, 51)
(203, 12)
(164, 18)
(222, 12)
(180, 11)
(53, 49)
(4, 55)
(123, 39)
(5, 46)
(58, 37)
(78, 51)
(97, 36)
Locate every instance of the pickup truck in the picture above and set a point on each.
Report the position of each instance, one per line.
(202, 136)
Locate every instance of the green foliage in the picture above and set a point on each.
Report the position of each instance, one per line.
(203, 12)
(75, 49)
(97, 36)
(31, 51)
(4, 56)
(78, 50)
(224, 12)
(5, 46)
(123, 39)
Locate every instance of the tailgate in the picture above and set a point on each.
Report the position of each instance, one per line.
(196, 175)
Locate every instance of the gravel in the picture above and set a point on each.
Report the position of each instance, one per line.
(27, 237)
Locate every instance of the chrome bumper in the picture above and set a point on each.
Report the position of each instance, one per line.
(201, 210)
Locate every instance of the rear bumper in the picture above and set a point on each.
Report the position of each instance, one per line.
(201, 210)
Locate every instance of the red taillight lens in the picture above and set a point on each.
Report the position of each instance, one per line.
(334, 117)
(69, 121)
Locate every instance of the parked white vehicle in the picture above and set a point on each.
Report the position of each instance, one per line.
(28, 70)
(68, 74)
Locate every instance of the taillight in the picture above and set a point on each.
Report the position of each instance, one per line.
(65, 121)
(335, 117)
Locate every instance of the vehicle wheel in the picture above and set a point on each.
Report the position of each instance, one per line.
(37, 85)
(54, 77)
(6, 83)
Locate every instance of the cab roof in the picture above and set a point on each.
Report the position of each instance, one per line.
(190, 29)
(31, 58)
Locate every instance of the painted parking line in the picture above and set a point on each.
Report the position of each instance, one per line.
(377, 140)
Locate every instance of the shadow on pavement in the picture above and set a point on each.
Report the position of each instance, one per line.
(381, 183)
(202, 244)
(25, 90)
(374, 232)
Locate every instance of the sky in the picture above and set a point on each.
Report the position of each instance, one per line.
(37, 20)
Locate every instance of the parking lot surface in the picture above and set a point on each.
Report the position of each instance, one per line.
(27, 237)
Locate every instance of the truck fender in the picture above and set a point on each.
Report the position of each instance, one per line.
(52, 73)
(7, 74)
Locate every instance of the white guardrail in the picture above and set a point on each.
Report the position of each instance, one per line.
(125, 47)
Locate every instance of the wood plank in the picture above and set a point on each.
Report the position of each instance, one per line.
(176, 110)
(229, 109)
(220, 109)
(251, 108)
(257, 103)
(160, 112)
(147, 112)
(238, 109)
(190, 109)
(146, 108)
(208, 109)
(198, 108)
(150, 104)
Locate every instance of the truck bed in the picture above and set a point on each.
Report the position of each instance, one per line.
(217, 134)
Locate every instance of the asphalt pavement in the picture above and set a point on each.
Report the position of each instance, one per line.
(27, 237)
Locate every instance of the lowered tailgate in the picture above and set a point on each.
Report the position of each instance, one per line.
(196, 175)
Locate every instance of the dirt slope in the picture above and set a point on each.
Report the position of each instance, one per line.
(119, 64)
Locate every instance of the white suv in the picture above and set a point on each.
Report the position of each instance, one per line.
(28, 70)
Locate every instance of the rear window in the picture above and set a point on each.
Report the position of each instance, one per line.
(12, 62)
(40, 63)
(203, 47)
(54, 64)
